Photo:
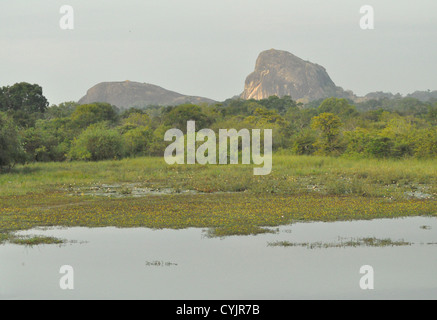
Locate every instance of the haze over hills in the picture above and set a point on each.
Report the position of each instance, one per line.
(277, 73)
(128, 94)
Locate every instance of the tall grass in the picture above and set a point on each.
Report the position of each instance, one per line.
(290, 175)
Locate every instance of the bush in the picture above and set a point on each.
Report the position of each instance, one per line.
(97, 142)
(137, 141)
(304, 143)
(42, 145)
(367, 144)
(11, 151)
(426, 143)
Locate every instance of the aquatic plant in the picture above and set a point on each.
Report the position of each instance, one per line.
(343, 243)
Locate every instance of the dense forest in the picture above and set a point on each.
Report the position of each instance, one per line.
(31, 130)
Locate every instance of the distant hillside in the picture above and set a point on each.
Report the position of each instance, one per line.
(381, 95)
(281, 73)
(129, 94)
(421, 96)
(424, 96)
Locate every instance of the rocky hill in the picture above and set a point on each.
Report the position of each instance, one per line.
(281, 73)
(424, 96)
(128, 94)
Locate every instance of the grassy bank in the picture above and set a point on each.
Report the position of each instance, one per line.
(290, 175)
(230, 200)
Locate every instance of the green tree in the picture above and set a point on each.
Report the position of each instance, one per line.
(88, 114)
(339, 107)
(63, 110)
(135, 120)
(10, 145)
(177, 117)
(426, 143)
(49, 140)
(233, 107)
(281, 105)
(24, 101)
(23, 96)
(328, 124)
(137, 141)
(401, 132)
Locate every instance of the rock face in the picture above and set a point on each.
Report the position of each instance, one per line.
(281, 73)
(128, 94)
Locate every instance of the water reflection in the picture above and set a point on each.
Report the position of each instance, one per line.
(111, 263)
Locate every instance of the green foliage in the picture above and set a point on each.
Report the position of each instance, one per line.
(339, 107)
(177, 117)
(157, 144)
(264, 118)
(63, 110)
(280, 105)
(88, 114)
(426, 143)
(137, 141)
(432, 114)
(387, 127)
(24, 102)
(48, 140)
(304, 143)
(10, 145)
(135, 120)
(361, 142)
(97, 142)
(23, 97)
(329, 140)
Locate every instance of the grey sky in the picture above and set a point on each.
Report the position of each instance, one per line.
(208, 47)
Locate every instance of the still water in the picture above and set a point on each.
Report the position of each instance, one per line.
(111, 263)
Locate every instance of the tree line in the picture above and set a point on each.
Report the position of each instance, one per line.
(33, 131)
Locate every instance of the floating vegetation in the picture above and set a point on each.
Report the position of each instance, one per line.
(425, 227)
(158, 263)
(238, 230)
(34, 240)
(343, 243)
(223, 214)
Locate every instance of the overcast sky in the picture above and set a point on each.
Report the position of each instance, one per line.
(208, 47)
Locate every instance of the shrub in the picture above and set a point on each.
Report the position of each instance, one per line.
(97, 142)
(137, 141)
(10, 147)
(426, 143)
(304, 143)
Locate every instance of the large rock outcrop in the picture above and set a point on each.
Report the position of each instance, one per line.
(128, 94)
(281, 73)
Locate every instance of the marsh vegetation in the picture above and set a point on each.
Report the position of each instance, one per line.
(343, 243)
(228, 200)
